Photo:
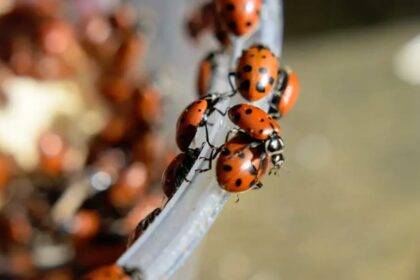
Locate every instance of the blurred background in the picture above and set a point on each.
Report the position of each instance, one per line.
(347, 203)
(83, 130)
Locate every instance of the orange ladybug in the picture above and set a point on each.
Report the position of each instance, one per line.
(256, 72)
(240, 17)
(240, 166)
(206, 71)
(262, 128)
(200, 20)
(132, 184)
(52, 153)
(194, 116)
(177, 171)
(109, 272)
(149, 105)
(142, 226)
(285, 98)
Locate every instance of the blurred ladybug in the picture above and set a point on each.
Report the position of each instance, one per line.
(241, 165)
(241, 17)
(142, 226)
(7, 170)
(256, 73)
(131, 185)
(200, 20)
(262, 128)
(206, 71)
(84, 225)
(52, 154)
(112, 272)
(148, 105)
(284, 99)
(194, 116)
(177, 171)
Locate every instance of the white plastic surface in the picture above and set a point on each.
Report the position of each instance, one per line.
(177, 231)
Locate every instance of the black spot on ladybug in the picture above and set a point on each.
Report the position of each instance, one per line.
(232, 25)
(248, 111)
(230, 7)
(238, 182)
(247, 68)
(271, 81)
(262, 120)
(264, 56)
(236, 117)
(262, 70)
(245, 85)
(227, 168)
(225, 152)
(248, 23)
(260, 87)
(199, 110)
(261, 131)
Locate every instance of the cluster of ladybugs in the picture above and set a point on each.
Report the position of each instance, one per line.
(245, 157)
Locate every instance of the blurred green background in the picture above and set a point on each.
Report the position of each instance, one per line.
(347, 203)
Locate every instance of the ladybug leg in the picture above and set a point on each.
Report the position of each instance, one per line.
(221, 112)
(230, 76)
(237, 198)
(207, 136)
(210, 159)
(282, 81)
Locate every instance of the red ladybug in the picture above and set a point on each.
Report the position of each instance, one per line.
(285, 98)
(193, 117)
(240, 166)
(262, 128)
(239, 16)
(142, 226)
(256, 72)
(206, 71)
(177, 171)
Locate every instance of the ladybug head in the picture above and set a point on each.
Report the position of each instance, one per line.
(274, 145)
(277, 160)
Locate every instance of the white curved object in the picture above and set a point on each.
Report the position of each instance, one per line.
(187, 217)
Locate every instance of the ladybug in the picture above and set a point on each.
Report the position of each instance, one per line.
(177, 171)
(112, 272)
(240, 17)
(142, 226)
(200, 20)
(256, 73)
(206, 71)
(262, 128)
(194, 116)
(287, 94)
(240, 166)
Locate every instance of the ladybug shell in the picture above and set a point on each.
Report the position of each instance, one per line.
(110, 272)
(290, 94)
(170, 175)
(254, 121)
(205, 74)
(188, 123)
(239, 16)
(142, 226)
(256, 72)
(238, 167)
